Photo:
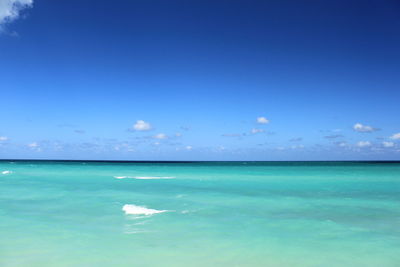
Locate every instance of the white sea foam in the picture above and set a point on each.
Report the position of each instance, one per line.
(130, 232)
(138, 210)
(153, 177)
(144, 177)
(120, 177)
(6, 172)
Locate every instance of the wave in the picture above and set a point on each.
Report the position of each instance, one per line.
(153, 177)
(6, 172)
(134, 232)
(138, 210)
(120, 177)
(144, 177)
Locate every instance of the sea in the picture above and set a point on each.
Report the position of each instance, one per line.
(89, 213)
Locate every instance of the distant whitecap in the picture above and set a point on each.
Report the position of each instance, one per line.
(130, 232)
(153, 177)
(138, 210)
(120, 177)
(6, 172)
(144, 177)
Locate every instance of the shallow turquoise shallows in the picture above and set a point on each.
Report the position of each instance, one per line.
(199, 214)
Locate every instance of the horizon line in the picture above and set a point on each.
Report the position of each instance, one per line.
(196, 161)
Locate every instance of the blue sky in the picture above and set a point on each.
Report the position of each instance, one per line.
(200, 80)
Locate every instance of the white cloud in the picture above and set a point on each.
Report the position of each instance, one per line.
(141, 125)
(363, 128)
(160, 136)
(3, 138)
(10, 9)
(33, 145)
(333, 136)
(364, 144)
(124, 147)
(178, 135)
(254, 131)
(297, 146)
(189, 147)
(395, 136)
(341, 144)
(387, 144)
(262, 120)
(232, 135)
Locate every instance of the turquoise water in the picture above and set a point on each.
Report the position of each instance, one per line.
(199, 214)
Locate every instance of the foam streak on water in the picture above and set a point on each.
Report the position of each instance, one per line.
(138, 210)
(144, 177)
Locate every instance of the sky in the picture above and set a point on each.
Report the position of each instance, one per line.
(200, 80)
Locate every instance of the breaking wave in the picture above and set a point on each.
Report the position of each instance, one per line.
(144, 177)
(138, 210)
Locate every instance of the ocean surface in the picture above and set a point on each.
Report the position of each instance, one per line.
(199, 214)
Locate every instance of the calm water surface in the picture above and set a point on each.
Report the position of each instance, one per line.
(199, 214)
